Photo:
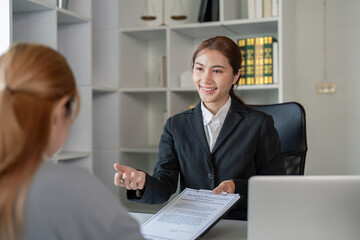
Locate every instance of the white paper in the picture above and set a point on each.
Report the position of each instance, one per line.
(190, 214)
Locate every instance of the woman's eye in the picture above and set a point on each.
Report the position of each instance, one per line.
(199, 69)
(217, 71)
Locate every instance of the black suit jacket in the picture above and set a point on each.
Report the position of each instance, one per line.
(248, 144)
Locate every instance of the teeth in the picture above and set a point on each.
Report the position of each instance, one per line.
(208, 89)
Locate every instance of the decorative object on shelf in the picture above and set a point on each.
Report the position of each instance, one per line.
(148, 11)
(62, 4)
(209, 11)
(178, 12)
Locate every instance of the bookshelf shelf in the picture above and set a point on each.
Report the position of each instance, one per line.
(66, 17)
(144, 90)
(20, 6)
(149, 34)
(63, 156)
(104, 89)
(148, 149)
(257, 87)
(142, 106)
(145, 47)
(183, 89)
(201, 30)
(253, 27)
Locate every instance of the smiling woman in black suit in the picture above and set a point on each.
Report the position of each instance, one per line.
(217, 145)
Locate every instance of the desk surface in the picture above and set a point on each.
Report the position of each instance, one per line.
(223, 230)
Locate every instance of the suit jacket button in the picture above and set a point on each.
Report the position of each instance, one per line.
(210, 176)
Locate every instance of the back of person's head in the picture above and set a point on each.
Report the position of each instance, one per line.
(226, 47)
(32, 79)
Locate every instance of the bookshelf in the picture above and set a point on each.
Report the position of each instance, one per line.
(125, 56)
(69, 32)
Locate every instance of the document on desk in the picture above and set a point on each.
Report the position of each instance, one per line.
(190, 215)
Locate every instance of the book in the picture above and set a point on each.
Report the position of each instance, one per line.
(242, 45)
(202, 11)
(215, 10)
(267, 11)
(258, 8)
(162, 71)
(258, 63)
(209, 11)
(268, 60)
(188, 216)
(275, 7)
(251, 9)
(259, 60)
(250, 61)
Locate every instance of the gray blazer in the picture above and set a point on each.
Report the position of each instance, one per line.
(65, 202)
(248, 144)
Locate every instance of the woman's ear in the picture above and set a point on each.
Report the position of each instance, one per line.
(236, 77)
(59, 110)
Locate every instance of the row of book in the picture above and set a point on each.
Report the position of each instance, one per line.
(259, 60)
(262, 8)
(209, 9)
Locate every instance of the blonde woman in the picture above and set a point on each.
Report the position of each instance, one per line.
(38, 200)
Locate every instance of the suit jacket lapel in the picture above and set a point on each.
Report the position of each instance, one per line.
(197, 127)
(233, 118)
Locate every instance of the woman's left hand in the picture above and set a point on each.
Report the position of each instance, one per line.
(226, 186)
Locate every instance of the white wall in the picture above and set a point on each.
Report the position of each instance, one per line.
(332, 120)
(352, 76)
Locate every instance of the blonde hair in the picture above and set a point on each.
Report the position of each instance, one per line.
(33, 78)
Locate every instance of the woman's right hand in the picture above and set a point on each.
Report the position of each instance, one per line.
(129, 177)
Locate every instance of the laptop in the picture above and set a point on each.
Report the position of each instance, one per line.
(304, 208)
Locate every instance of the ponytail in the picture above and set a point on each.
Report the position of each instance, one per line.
(11, 137)
(11, 145)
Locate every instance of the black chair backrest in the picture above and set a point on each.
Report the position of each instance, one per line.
(289, 120)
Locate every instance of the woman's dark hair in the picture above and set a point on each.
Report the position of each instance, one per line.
(229, 49)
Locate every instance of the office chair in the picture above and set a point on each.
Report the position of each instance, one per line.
(289, 119)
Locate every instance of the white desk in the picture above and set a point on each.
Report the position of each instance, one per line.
(223, 230)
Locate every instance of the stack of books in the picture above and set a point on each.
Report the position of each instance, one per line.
(259, 60)
(262, 8)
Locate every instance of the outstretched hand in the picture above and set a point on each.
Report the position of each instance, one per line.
(129, 177)
(226, 186)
